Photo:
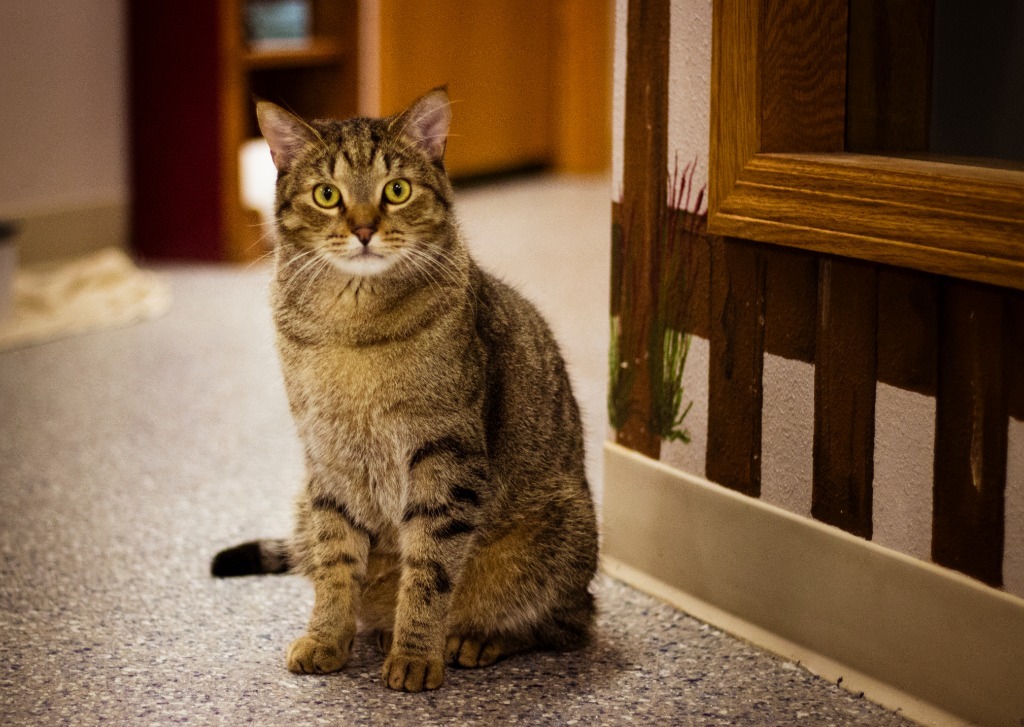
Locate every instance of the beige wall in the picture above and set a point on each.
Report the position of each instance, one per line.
(63, 110)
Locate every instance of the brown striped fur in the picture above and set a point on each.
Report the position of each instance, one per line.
(446, 505)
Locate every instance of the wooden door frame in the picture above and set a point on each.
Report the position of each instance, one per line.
(779, 174)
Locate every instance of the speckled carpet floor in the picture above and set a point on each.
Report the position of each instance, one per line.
(129, 456)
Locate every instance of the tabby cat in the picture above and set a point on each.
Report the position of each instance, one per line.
(446, 506)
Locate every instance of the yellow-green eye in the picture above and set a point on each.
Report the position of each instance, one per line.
(326, 195)
(397, 191)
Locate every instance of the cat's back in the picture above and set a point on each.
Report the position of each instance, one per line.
(533, 420)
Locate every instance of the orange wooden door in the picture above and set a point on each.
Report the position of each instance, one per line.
(506, 66)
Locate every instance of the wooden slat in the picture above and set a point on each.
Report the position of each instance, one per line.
(644, 204)
(908, 329)
(615, 307)
(737, 361)
(889, 72)
(694, 250)
(802, 87)
(1015, 354)
(970, 433)
(791, 302)
(844, 394)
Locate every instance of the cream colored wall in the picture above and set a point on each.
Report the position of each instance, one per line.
(63, 110)
(689, 83)
(618, 96)
(1013, 533)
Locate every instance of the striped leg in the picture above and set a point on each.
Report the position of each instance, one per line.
(437, 529)
(334, 553)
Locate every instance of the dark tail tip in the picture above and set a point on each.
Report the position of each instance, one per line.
(253, 558)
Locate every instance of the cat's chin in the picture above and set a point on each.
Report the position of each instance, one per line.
(363, 265)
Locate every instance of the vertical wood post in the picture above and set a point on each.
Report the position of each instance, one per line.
(644, 200)
(845, 366)
(970, 433)
(737, 362)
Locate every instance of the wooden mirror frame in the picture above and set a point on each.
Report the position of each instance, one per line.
(779, 172)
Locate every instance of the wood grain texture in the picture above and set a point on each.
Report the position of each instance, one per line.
(970, 433)
(737, 362)
(952, 219)
(908, 329)
(735, 96)
(791, 303)
(896, 211)
(802, 72)
(889, 74)
(844, 394)
(644, 207)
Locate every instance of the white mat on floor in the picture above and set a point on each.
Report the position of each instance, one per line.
(102, 290)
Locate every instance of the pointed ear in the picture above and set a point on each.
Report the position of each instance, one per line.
(426, 123)
(286, 133)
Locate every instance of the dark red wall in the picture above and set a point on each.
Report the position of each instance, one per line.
(174, 76)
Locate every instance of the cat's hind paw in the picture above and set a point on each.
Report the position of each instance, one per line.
(384, 639)
(470, 652)
(412, 673)
(308, 655)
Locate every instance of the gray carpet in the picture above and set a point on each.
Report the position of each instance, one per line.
(128, 457)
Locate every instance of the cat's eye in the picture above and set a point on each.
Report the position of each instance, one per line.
(326, 196)
(397, 191)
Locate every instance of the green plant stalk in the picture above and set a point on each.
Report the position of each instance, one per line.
(620, 379)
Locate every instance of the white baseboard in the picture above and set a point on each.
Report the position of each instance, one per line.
(937, 645)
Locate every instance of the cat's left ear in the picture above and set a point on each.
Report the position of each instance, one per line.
(426, 123)
(286, 133)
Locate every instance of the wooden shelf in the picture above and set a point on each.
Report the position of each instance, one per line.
(316, 52)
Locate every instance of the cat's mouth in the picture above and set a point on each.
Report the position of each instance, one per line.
(362, 263)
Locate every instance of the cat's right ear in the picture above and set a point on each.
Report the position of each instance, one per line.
(286, 133)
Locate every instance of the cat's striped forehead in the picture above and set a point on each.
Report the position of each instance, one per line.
(361, 152)
(359, 144)
(367, 143)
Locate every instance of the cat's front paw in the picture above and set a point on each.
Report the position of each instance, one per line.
(412, 673)
(308, 655)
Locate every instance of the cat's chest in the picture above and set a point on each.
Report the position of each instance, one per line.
(347, 402)
(361, 413)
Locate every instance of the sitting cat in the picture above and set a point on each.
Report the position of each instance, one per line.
(446, 505)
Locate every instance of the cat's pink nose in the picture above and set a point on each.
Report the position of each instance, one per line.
(364, 234)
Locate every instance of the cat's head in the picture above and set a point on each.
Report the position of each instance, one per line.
(369, 195)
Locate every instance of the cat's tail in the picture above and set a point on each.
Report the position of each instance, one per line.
(255, 557)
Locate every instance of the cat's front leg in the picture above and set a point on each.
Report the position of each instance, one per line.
(438, 525)
(333, 552)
